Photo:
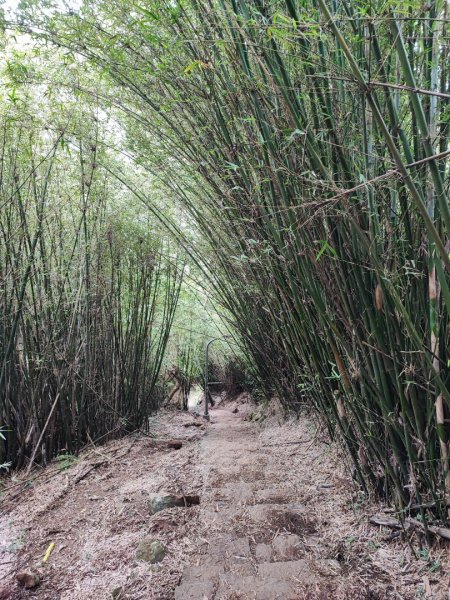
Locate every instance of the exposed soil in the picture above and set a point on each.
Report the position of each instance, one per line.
(278, 518)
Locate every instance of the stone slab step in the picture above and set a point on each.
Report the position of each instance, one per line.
(266, 513)
(195, 590)
(275, 495)
(254, 588)
(224, 550)
(230, 549)
(239, 493)
(202, 572)
(287, 546)
(304, 571)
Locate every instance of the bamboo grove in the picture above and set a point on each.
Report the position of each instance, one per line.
(308, 141)
(87, 296)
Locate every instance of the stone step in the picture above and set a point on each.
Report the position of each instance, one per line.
(202, 572)
(262, 521)
(195, 590)
(287, 547)
(225, 552)
(229, 549)
(275, 495)
(238, 493)
(269, 513)
(251, 493)
(254, 588)
(304, 571)
(276, 580)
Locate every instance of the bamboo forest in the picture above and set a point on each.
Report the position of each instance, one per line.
(224, 299)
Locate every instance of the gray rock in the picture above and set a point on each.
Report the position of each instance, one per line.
(162, 502)
(151, 551)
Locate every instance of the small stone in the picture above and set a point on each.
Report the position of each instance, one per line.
(28, 579)
(151, 551)
(117, 593)
(158, 503)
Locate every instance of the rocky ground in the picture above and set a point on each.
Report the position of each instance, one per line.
(243, 510)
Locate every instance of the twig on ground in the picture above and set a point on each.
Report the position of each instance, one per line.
(409, 524)
(289, 443)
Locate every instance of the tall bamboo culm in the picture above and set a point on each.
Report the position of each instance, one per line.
(311, 144)
(87, 299)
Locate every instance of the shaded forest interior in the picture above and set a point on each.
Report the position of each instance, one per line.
(274, 174)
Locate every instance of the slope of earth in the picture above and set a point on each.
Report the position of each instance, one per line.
(278, 519)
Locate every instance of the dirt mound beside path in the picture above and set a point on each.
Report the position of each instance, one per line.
(277, 518)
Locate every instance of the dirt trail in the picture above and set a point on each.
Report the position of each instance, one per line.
(257, 531)
(264, 536)
(278, 519)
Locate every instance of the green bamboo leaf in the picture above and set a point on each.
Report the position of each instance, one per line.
(325, 248)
